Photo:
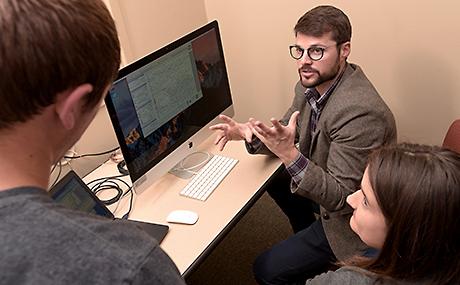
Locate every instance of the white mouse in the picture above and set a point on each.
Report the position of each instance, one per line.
(182, 217)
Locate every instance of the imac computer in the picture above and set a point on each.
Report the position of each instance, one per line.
(161, 106)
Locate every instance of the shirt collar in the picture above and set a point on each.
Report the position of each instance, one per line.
(320, 100)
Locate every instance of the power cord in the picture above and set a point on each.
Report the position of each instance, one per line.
(112, 183)
(125, 216)
(92, 154)
(191, 169)
(59, 163)
(108, 184)
(59, 173)
(121, 166)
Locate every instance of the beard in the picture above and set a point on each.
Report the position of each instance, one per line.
(317, 78)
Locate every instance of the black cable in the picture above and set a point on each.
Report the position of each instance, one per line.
(109, 177)
(125, 216)
(111, 183)
(59, 173)
(121, 167)
(92, 154)
(129, 190)
(54, 167)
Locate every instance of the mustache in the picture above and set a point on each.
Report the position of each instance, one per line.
(307, 69)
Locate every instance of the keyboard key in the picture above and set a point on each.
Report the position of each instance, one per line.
(209, 177)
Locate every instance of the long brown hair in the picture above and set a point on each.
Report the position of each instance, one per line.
(417, 188)
(50, 46)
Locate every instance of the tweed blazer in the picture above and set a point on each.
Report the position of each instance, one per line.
(354, 121)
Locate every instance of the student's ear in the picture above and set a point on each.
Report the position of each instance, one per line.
(69, 104)
(345, 49)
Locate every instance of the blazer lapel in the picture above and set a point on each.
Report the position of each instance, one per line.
(314, 140)
(305, 136)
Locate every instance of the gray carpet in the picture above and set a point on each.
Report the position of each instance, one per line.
(231, 262)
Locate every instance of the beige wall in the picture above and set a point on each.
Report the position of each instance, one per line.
(146, 25)
(143, 26)
(409, 49)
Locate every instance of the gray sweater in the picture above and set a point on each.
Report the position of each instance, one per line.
(353, 276)
(42, 242)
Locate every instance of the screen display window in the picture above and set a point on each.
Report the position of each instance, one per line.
(160, 101)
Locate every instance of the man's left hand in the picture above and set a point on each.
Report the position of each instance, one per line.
(278, 139)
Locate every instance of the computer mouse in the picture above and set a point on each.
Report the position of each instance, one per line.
(182, 217)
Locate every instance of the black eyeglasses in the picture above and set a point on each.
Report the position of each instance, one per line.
(314, 52)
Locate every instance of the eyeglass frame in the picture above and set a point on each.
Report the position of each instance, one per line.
(309, 49)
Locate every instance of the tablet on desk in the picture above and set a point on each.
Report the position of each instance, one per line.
(73, 193)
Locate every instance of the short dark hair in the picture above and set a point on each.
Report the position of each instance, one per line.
(49, 46)
(324, 19)
(417, 187)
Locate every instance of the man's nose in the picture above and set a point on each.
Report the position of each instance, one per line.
(305, 60)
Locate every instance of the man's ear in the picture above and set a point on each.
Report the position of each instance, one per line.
(69, 104)
(345, 49)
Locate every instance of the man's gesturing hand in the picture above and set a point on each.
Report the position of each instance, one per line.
(230, 130)
(278, 138)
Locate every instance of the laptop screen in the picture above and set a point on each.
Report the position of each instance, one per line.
(73, 193)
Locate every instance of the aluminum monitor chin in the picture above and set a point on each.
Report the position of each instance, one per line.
(162, 104)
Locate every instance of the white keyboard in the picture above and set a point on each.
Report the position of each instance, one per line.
(209, 177)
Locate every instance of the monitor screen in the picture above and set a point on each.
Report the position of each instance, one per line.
(161, 104)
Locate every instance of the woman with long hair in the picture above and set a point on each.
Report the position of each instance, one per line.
(408, 209)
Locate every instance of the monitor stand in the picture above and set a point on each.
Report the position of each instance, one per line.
(191, 164)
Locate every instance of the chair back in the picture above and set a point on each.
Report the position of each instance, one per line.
(452, 138)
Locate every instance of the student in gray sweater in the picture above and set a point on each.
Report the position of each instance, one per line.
(57, 60)
(407, 209)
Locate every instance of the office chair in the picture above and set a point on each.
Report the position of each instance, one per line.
(452, 138)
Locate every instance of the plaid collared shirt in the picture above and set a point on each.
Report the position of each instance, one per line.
(298, 167)
(318, 102)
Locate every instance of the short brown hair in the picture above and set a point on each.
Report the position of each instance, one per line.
(49, 46)
(417, 187)
(324, 19)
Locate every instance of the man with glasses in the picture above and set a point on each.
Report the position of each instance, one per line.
(335, 120)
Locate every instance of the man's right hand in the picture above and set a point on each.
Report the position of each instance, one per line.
(230, 130)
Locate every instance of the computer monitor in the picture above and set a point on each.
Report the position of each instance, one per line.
(162, 104)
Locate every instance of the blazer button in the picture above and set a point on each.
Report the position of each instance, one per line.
(326, 216)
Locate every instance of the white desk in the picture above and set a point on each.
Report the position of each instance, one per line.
(187, 245)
